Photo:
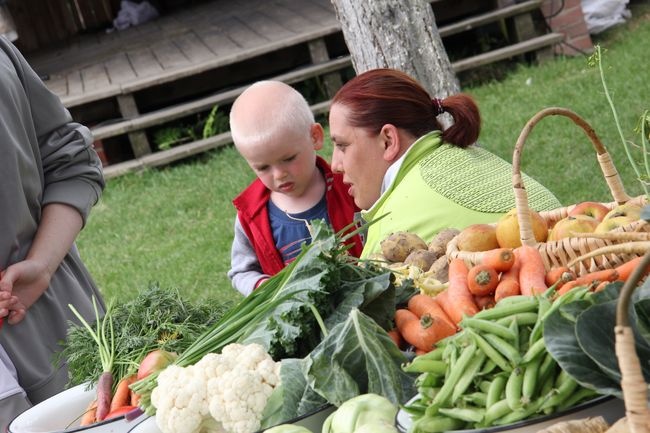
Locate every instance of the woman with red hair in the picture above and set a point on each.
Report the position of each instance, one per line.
(401, 164)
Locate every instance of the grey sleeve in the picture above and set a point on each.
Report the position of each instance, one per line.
(245, 270)
(71, 168)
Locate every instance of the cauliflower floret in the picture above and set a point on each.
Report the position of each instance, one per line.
(224, 392)
(181, 402)
(238, 397)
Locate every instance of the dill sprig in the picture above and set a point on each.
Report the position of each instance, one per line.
(157, 318)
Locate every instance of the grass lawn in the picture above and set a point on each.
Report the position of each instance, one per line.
(174, 225)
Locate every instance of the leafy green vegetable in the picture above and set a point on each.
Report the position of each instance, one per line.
(285, 314)
(356, 357)
(580, 337)
(642, 310)
(293, 397)
(155, 318)
(561, 340)
(595, 331)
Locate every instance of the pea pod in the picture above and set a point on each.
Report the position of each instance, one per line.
(577, 397)
(529, 385)
(436, 424)
(490, 351)
(496, 411)
(514, 387)
(547, 369)
(464, 414)
(496, 389)
(427, 380)
(419, 365)
(509, 306)
(456, 371)
(488, 367)
(563, 393)
(523, 319)
(534, 351)
(470, 372)
(522, 413)
(505, 348)
(488, 326)
(476, 398)
(544, 306)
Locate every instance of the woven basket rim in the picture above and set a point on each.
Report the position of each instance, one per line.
(556, 253)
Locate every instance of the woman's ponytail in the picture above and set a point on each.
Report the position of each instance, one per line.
(467, 119)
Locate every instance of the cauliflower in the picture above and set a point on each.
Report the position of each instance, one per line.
(224, 392)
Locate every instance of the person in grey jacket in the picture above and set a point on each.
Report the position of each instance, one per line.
(50, 177)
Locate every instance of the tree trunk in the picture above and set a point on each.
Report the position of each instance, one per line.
(398, 34)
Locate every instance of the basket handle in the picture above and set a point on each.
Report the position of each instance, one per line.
(605, 161)
(635, 391)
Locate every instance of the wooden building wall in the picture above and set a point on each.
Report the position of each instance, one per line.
(48, 23)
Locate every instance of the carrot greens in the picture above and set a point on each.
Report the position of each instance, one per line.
(104, 337)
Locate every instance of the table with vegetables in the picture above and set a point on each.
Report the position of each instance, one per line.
(412, 340)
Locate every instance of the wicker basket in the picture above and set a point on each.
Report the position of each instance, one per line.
(560, 253)
(633, 385)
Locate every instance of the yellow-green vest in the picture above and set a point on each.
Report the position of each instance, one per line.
(439, 185)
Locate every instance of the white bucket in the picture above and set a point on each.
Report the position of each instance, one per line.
(62, 413)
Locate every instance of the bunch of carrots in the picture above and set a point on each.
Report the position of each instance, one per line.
(502, 272)
(123, 401)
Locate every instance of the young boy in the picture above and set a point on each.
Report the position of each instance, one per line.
(274, 130)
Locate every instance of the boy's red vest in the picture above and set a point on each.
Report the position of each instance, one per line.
(254, 216)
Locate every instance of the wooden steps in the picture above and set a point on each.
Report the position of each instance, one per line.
(322, 66)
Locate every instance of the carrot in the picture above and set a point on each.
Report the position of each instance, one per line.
(423, 333)
(567, 287)
(422, 304)
(600, 287)
(532, 271)
(499, 259)
(396, 337)
(604, 275)
(509, 282)
(135, 398)
(506, 288)
(89, 415)
(460, 299)
(558, 275)
(625, 270)
(122, 396)
(104, 385)
(482, 280)
(419, 352)
(484, 302)
(120, 411)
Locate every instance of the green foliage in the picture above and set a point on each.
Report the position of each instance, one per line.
(643, 175)
(174, 225)
(155, 318)
(169, 136)
(215, 123)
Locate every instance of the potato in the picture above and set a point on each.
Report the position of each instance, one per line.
(397, 246)
(439, 242)
(440, 269)
(423, 259)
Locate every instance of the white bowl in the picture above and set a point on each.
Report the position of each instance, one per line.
(312, 421)
(62, 413)
(610, 408)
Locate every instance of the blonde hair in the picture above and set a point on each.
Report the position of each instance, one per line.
(271, 109)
